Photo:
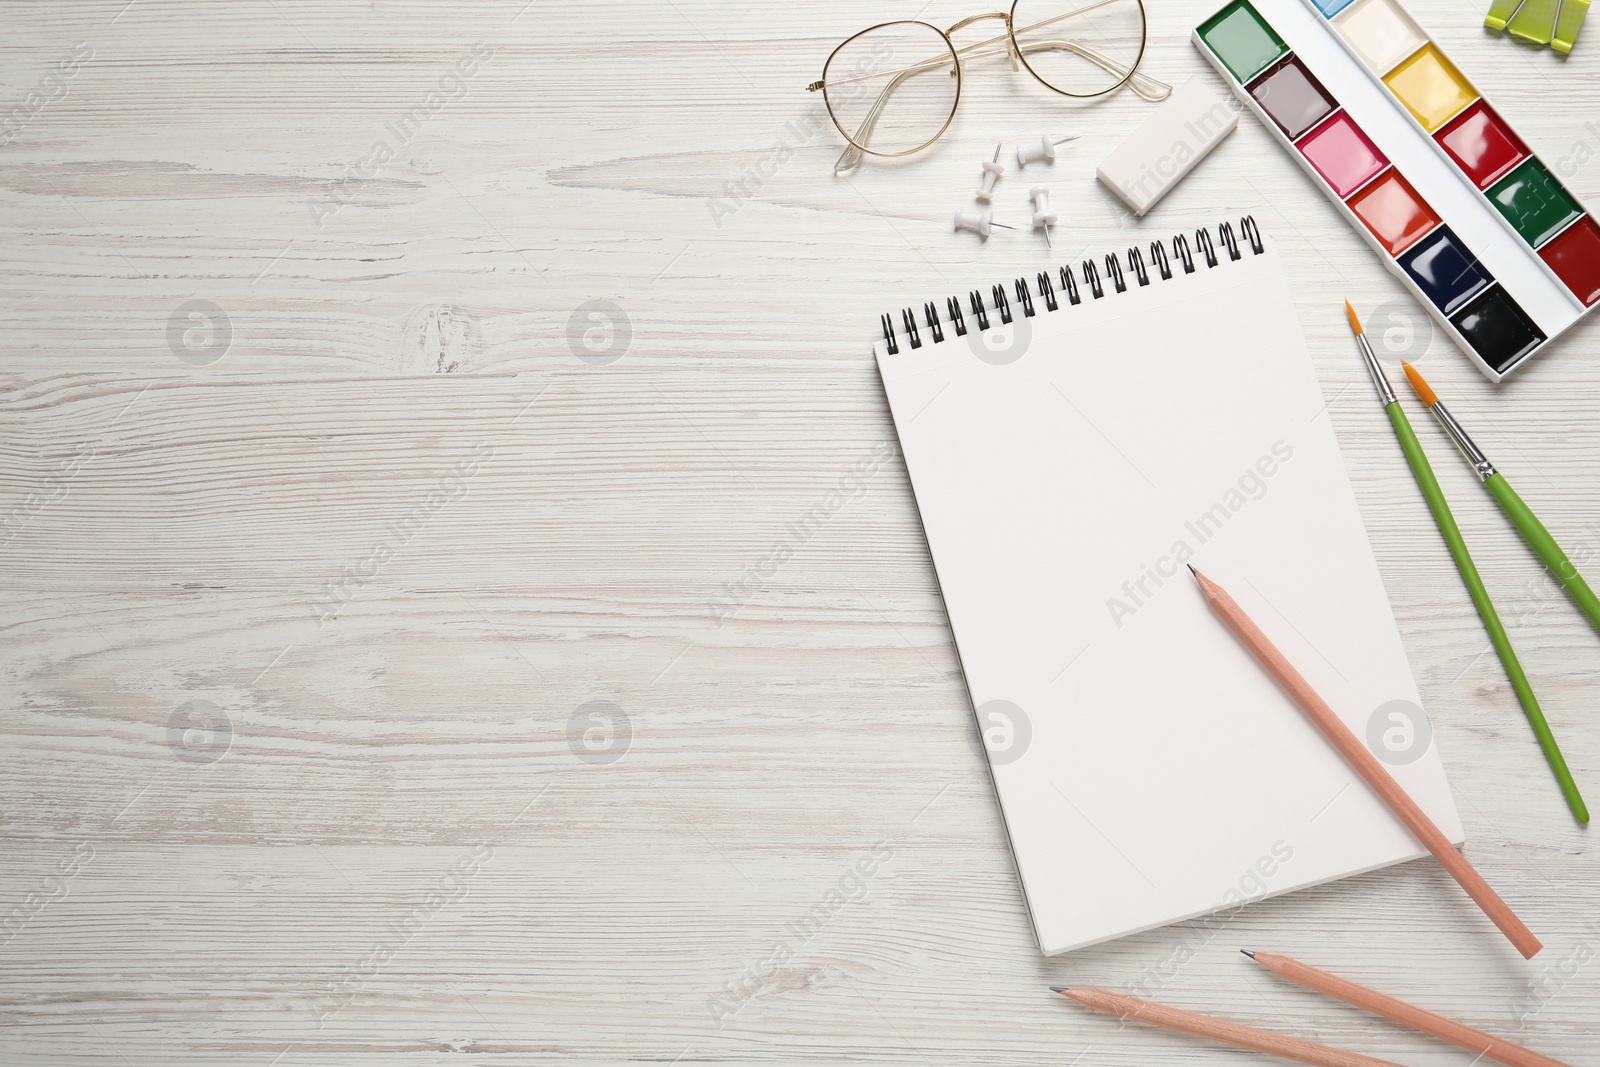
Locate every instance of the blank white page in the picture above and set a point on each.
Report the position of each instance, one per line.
(1163, 774)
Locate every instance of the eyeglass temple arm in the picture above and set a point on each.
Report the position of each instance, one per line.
(852, 156)
(1147, 87)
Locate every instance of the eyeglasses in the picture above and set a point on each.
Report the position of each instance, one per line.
(892, 89)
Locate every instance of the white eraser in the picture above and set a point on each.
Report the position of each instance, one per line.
(1186, 126)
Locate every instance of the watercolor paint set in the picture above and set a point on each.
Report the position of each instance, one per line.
(1454, 202)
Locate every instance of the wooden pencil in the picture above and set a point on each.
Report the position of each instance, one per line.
(1405, 1014)
(1367, 766)
(1237, 1034)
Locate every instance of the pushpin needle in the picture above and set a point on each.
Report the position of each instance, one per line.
(1042, 215)
(992, 171)
(978, 222)
(1044, 149)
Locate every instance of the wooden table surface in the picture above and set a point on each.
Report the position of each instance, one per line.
(398, 660)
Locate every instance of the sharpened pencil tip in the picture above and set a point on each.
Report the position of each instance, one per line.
(1058, 989)
(1193, 571)
(1355, 323)
(1247, 952)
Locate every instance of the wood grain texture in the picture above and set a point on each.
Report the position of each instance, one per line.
(399, 538)
(1209, 1027)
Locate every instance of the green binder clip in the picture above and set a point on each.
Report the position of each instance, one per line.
(1552, 22)
(1569, 20)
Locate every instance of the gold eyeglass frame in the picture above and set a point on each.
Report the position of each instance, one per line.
(1146, 86)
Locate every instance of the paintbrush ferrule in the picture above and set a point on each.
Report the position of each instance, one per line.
(1380, 381)
(1463, 442)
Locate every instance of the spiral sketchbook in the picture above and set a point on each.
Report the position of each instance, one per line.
(1073, 440)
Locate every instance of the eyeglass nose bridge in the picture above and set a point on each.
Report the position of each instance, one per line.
(1003, 16)
(1011, 44)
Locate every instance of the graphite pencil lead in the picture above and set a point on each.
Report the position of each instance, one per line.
(1247, 952)
(1058, 989)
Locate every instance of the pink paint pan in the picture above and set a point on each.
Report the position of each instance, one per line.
(1342, 154)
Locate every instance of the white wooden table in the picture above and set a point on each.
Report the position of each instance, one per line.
(308, 609)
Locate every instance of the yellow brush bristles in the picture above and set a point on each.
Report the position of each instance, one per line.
(1429, 397)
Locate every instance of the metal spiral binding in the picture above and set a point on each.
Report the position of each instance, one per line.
(1114, 273)
(1252, 233)
(911, 327)
(1158, 256)
(1091, 278)
(1180, 248)
(1024, 298)
(1160, 263)
(1136, 262)
(1069, 286)
(1047, 291)
(953, 306)
(1001, 305)
(1225, 231)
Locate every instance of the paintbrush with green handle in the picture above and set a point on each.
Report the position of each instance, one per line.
(1526, 522)
(1429, 484)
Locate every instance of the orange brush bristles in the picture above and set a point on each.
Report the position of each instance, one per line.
(1355, 323)
(1429, 397)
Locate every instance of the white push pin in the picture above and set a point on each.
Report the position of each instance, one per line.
(978, 222)
(1043, 217)
(1044, 151)
(991, 174)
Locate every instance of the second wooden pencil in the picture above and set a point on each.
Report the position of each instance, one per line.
(1364, 763)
